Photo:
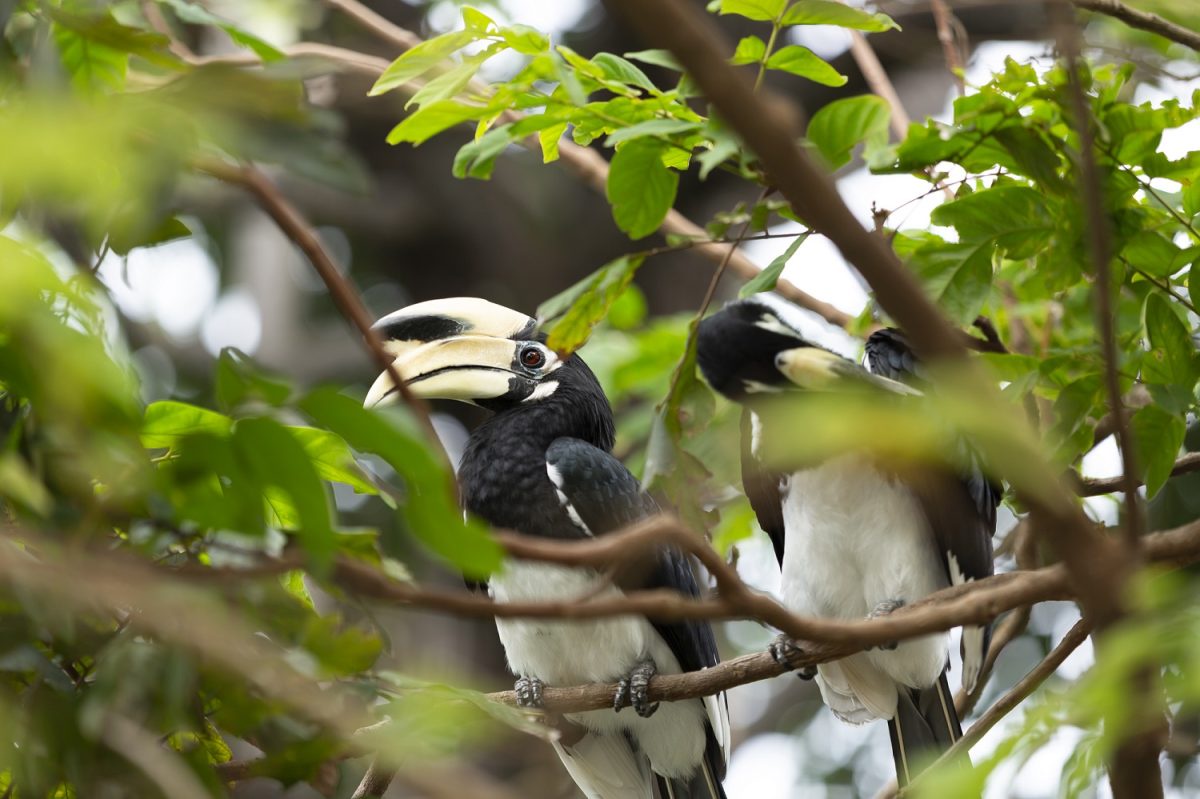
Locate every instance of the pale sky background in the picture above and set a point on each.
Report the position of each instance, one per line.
(176, 286)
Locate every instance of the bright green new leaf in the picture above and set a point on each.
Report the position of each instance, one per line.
(839, 126)
(450, 82)
(768, 277)
(477, 159)
(92, 66)
(586, 303)
(1158, 435)
(762, 10)
(422, 58)
(617, 68)
(640, 188)
(829, 12)
(168, 421)
(277, 460)
(103, 29)
(432, 119)
(749, 50)
(525, 40)
(476, 20)
(331, 457)
(429, 508)
(658, 58)
(198, 15)
(652, 127)
(799, 60)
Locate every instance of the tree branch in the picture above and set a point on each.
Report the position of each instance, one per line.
(1143, 20)
(296, 227)
(1093, 487)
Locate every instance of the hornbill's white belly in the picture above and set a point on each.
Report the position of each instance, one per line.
(564, 653)
(855, 538)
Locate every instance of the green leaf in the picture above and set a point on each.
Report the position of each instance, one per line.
(198, 15)
(750, 50)
(121, 241)
(18, 484)
(525, 40)
(166, 422)
(617, 68)
(549, 138)
(586, 303)
(658, 58)
(799, 60)
(1014, 218)
(332, 458)
(1151, 252)
(92, 66)
(240, 380)
(766, 279)
(1172, 353)
(432, 119)
(449, 83)
(838, 126)
(640, 188)
(102, 29)
(477, 159)
(762, 10)
(652, 127)
(276, 459)
(1158, 435)
(957, 275)
(1194, 284)
(828, 12)
(422, 58)
(429, 509)
(476, 20)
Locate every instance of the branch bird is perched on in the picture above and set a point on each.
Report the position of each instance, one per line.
(541, 465)
(852, 538)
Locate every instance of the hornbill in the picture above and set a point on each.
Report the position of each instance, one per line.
(852, 537)
(542, 465)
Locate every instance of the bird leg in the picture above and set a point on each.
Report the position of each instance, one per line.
(529, 692)
(886, 608)
(785, 652)
(634, 690)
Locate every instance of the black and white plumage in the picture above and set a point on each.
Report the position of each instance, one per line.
(854, 539)
(542, 465)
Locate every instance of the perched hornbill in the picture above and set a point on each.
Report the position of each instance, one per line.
(853, 538)
(542, 465)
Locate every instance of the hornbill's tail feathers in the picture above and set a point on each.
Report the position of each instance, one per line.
(701, 785)
(925, 725)
(607, 767)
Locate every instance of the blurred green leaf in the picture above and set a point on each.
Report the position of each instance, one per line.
(1158, 436)
(332, 459)
(586, 303)
(418, 60)
(276, 459)
(168, 421)
(640, 188)
(429, 507)
(198, 15)
(239, 380)
(749, 50)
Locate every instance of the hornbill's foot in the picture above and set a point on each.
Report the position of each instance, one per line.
(785, 653)
(634, 690)
(529, 692)
(886, 608)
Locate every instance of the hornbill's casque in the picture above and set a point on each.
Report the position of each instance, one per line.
(854, 539)
(541, 465)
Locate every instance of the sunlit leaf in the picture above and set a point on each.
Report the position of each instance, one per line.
(168, 421)
(586, 303)
(198, 15)
(418, 60)
(829, 12)
(799, 60)
(838, 127)
(766, 279)
(763, 10)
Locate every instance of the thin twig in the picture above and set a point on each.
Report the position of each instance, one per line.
(1018, 694)
(1100, 248)
(376, 23)
(1143, 20)
(943, 19)
(297, 228)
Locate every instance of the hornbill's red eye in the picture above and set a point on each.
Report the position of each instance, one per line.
(532, 357)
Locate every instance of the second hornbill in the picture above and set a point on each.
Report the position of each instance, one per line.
(542, 465)
(855, 539)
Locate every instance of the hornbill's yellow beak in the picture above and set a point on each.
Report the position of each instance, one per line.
(814, 369)
(463, 348)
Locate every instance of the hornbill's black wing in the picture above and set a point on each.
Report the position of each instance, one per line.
(601, 495)
(960, 508)
(762, 489)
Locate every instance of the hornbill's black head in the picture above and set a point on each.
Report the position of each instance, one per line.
(761, 345)
(469, 349)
